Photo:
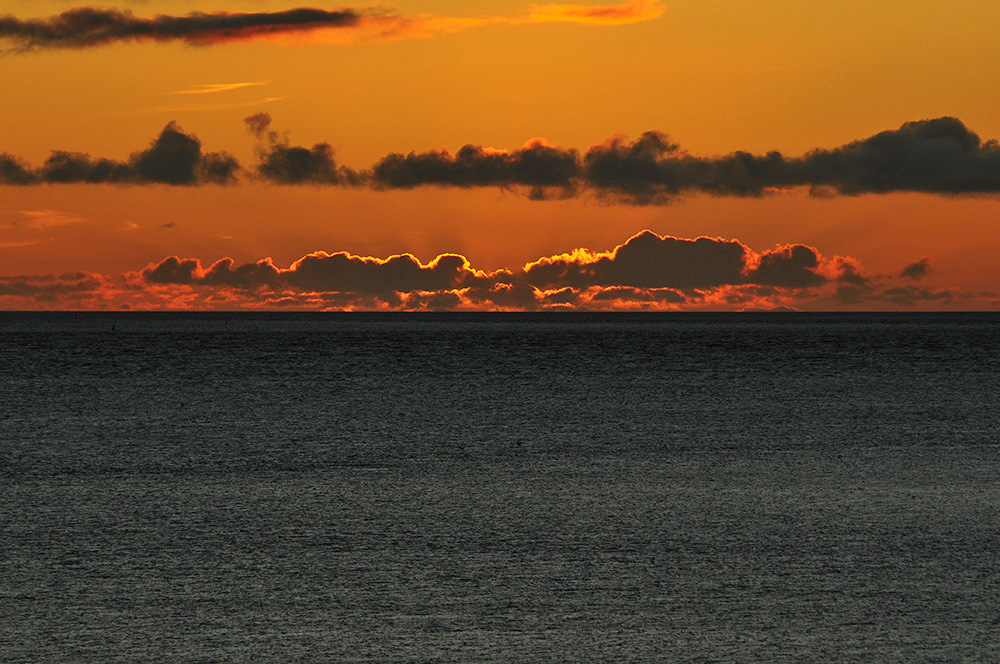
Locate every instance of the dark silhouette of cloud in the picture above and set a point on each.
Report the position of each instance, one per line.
(173, 157)
(176, 158)
(13, 170)
(917, 269)
(646, 260)
(284, 164)
(85, 27)
(934, 156)
(323, 272)
(792, 266)
(536, 165)
(173, 270)
(939, 156)
(646, 272)
(652, 262)
(79, 167)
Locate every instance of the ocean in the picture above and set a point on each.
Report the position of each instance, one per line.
(284, 487)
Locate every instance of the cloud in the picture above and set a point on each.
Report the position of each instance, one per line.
(36, 219)
(176, 158)
(14, 170)
(623, 14)
(324, 272)
(938, 156)
(173, 157)
(284, 164)
(917, 269)
(536, 165)
(212, 88)
(87, 27)
(647, 272)
(934, 156)
(71, 291)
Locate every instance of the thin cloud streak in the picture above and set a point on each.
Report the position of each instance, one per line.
(211, 88)
(623, 14)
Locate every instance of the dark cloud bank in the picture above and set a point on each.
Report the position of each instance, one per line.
(172, 158)
(647, 271)
(940, 156)
(86, 27)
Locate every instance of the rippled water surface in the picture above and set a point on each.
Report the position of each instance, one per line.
(530, 488)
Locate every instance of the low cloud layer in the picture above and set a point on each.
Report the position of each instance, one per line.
(647, 272)
(937, 156)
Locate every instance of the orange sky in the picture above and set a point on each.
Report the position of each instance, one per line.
(718, 76)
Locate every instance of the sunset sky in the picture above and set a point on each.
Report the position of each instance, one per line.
(437, 154)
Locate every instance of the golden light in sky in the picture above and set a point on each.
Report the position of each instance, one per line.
(438, 154)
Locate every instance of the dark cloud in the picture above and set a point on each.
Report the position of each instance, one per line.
(284, 164)
(937, 156)
(918, 269)
(79, 167)
(323, 272)
(14, 171)
(173, 157)
(173, 270)
(647, 272)
(792, 266)
(647, 260)
(249, 276)
(536, 165)
(404, 273)
(85, 27)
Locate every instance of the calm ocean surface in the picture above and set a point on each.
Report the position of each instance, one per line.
(499, 488)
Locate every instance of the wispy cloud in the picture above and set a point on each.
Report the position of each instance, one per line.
(37, 219)
(211, 88)
(19, 243)
(623, 14)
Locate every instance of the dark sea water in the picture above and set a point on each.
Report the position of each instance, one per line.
(499, 488)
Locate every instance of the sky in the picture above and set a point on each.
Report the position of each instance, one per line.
(435, 154)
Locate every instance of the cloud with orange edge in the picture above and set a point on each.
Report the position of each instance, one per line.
(88, 27)
(647, 272)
